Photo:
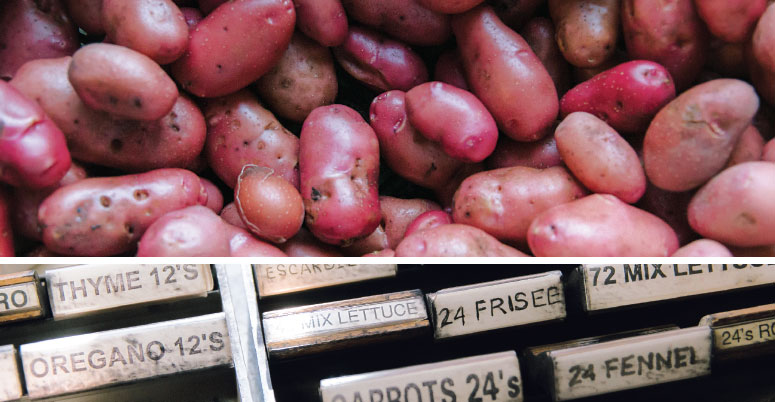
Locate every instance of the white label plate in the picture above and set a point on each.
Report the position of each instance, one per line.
(631, 362)
(744, 334)
(19, 298)
(617, 285)
(498, 304)
(84, 289)
(275, 279)
(495, 377)
(10, 385)
(82, 362)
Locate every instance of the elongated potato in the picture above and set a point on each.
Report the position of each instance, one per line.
(730, 20)
(339, 163)
(405, 20)
(735, 207)
(195, 231)
(703, 248)
(587, 30)
(270, 206)
(106, 216)
(692, 137)
(600, 225)
(503, 202)
(322, 20)
(454, 240)
(539, 33)
(506, 75)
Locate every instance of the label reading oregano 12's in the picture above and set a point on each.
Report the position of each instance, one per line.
(617, 285)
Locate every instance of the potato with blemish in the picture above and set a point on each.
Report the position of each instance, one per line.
(271, 208)
(587, 30)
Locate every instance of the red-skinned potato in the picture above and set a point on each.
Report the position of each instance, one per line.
(600, 225)
(240, 132)
(503, 202)
(87, 14)
(735, 207)
(32, 30)
(405, 20)
(587, 30)
(626, 96)
(691, 138)
(703, 248)
(176, 140)
(230, 215)
(763, 80)
(374, 242)
(155, 28)
(515, 13)
(243, 244)
(599, 157)
(235, 45)
(763, 38)
(670, 207)
(106, 216)
(669, 33)
(192, 16)
(428, 220)
(195, 231)
(445, 192)
(379, 62)
(454, 240)
(33, 152)
(214, 196)
(122, 82)
(748, 148)
(6, 233)
(768, 152)
(304, 244)
(540, 154)
(404, 149)
(322, 20)
(302, 80)
(450, 6)
(398, 213)
(506, 75)
(339, 167)
(730, 20)
(449, 69)
(539, 34)
(271, 208)
(453, 117)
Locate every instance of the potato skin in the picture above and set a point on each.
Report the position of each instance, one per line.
(515, 13)
(398, 213)
(692, 137)
(322, 20)
(32, 30)
(748, 148)
(87, 14)
(539, 33)
(587, 30)
(731, 21)
(600, 225)
(428, 220)
(106, 216)
(503, 202)
(454, 240)
(768, 152)
(506, 75)
(668, 32)
(540, 154)
(302, 80)
(243, 244)
(626, 96)
(95, 137)
(599, 157)
(269, 205)
(763, 38)
(195, 231)
(405, 20)
(404, 149)
(214, 196)
(454, 117)
(220, 61)
(670, 207)
(449, 69)
(380, 62)
(735, 207)
(339, 164)
(304, 244)
(230, 215)
(241, 132)
(155, 28)
(703, 248)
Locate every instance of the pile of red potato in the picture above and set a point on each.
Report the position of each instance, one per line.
(387, 127)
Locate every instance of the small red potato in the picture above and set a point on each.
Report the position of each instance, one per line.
(322, 20)
(33, 152)
(398, 213)
(243, 244)
(155, 28)
(668, 32)
(691, 138)
(503, 202)
(763, 38)
(626, 97)
(599, 157)
(230, 215)
(454, 240)
(735, 207)
(234, 45)
(271, 208)
(407, 152)
(446, 191)
(304, 244)
(540, 154)
(600, 225)
(105, 216)
(30, 30)
(121, 81)
(379, 62)
(732, 21)
(302, 80)
(405, 20)
(539, 33)
(703, 248)
(748, 148)
(214, 196)
(241, 132)
(587, 30)
(506, 75)
(453, 117)
(449, 69)
(87, 14)
(195, 231)
(450, 6)
(428, 220)
(339, 164)
(374, 242)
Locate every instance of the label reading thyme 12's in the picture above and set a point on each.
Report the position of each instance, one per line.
(84, 289)
(82, 362)
(499, 304)
(10, 386)
(610, 286)
(275, 279)
(492, 377)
